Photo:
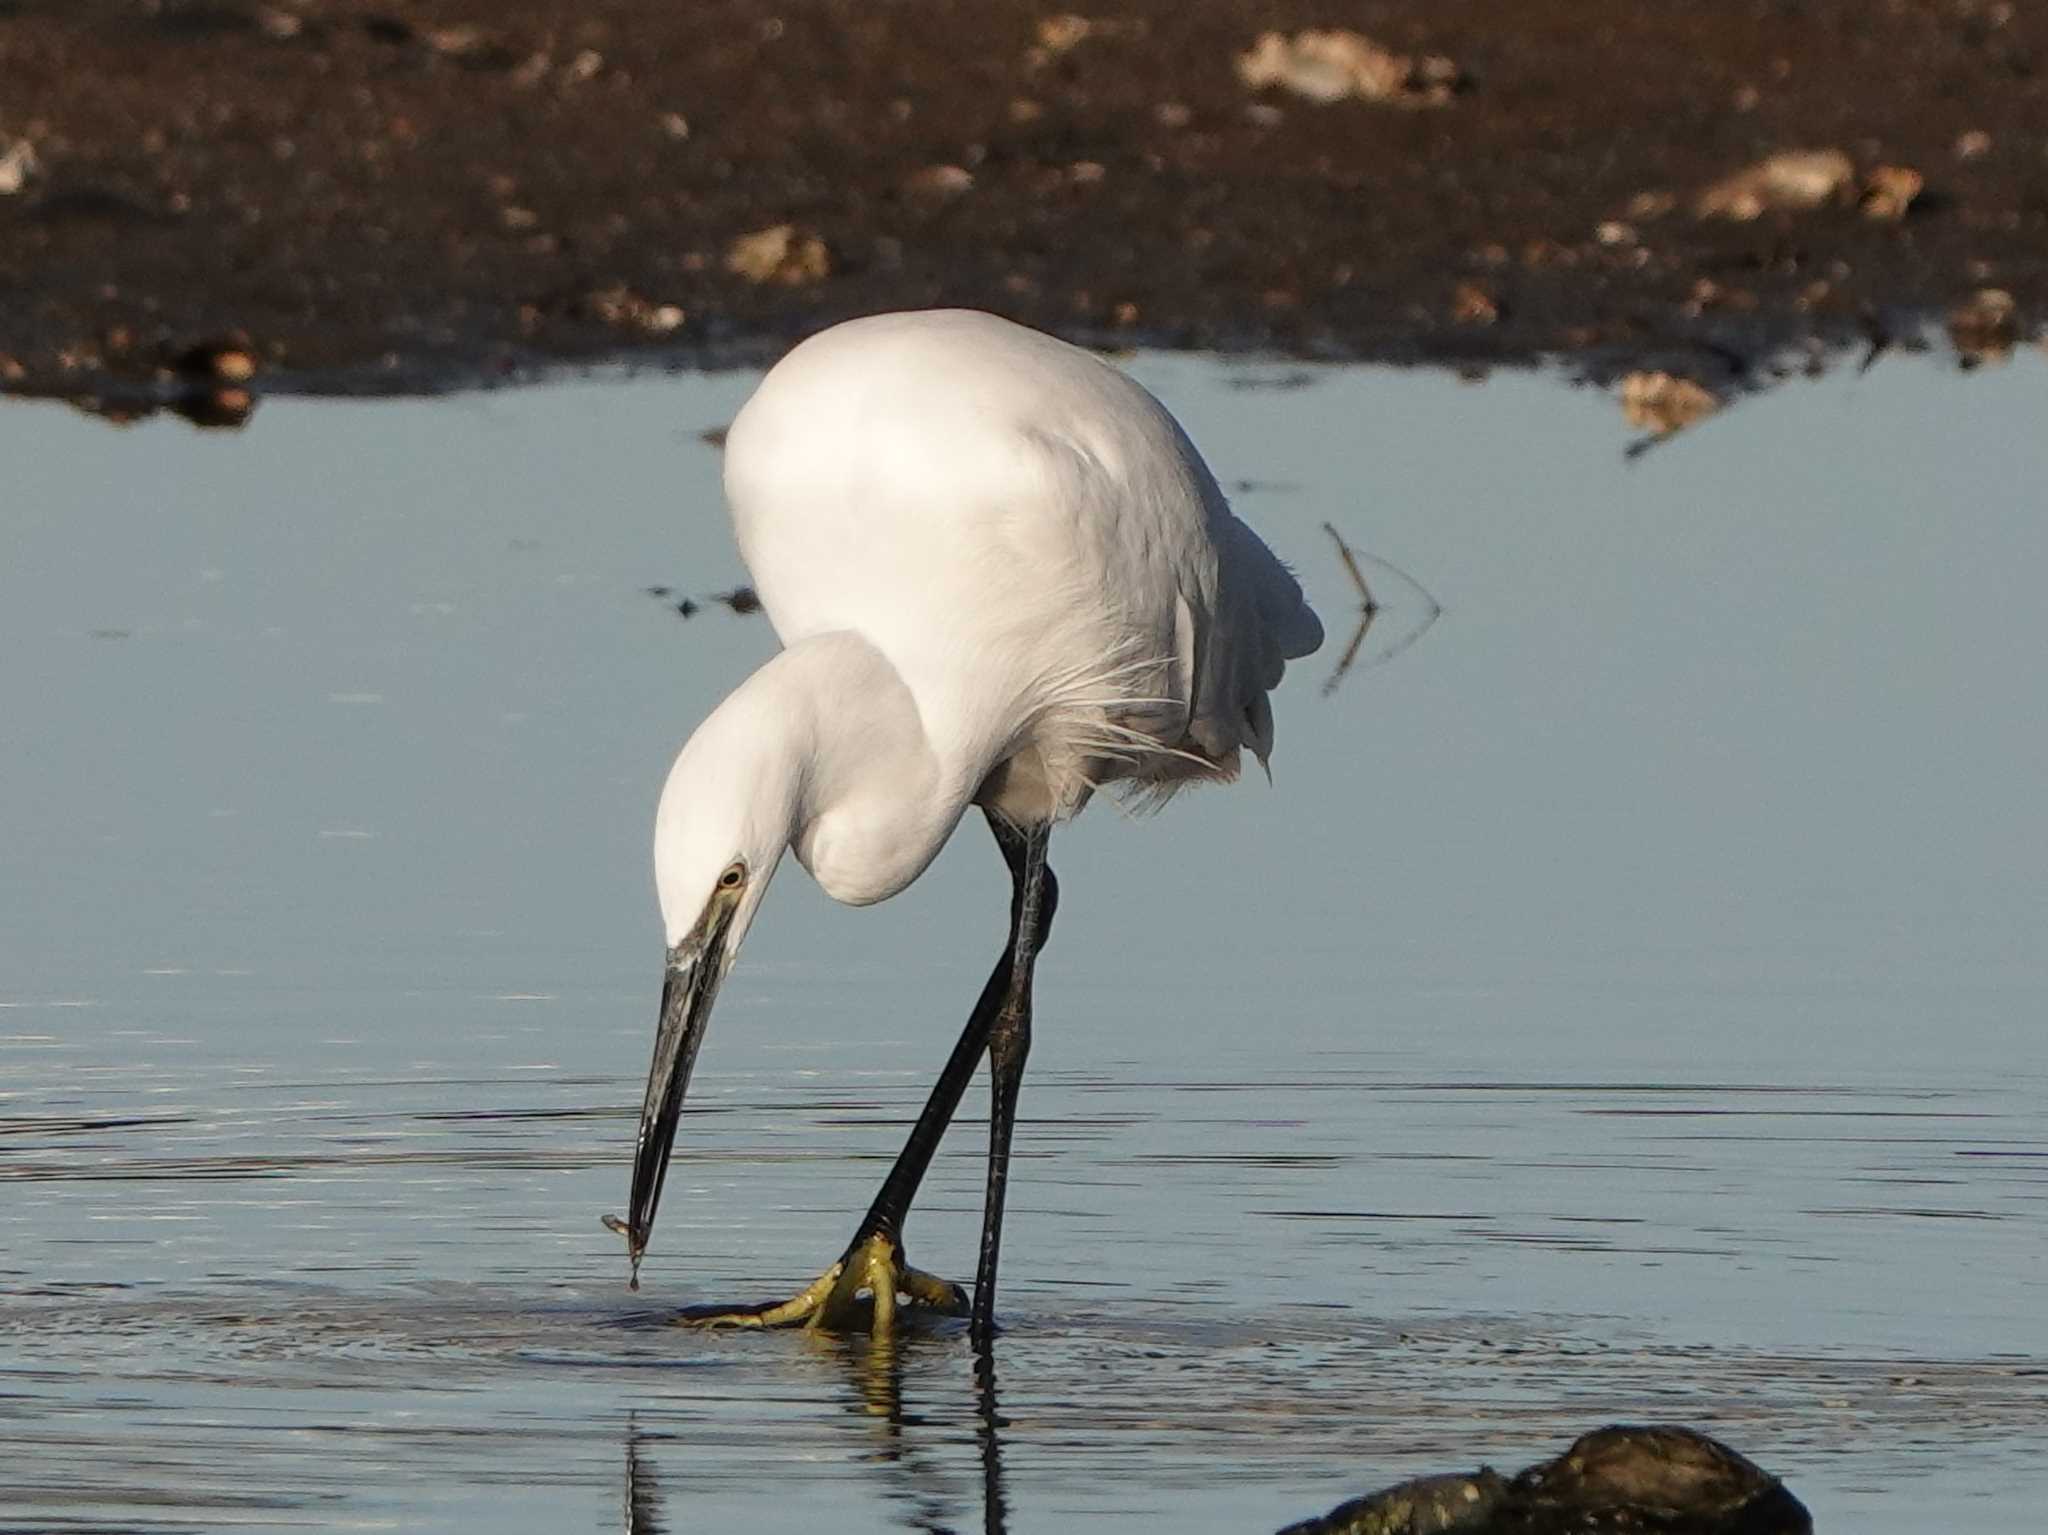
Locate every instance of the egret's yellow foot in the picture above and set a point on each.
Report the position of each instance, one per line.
(862, 1292)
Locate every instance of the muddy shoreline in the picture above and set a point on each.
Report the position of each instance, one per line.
(368, 196)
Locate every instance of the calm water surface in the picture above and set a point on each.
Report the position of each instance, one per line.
(1627, 1003)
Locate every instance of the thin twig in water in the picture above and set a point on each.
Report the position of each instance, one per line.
(1369, 609)
(1344, 553)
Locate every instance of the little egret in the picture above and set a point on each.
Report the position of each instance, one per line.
(1002, 577)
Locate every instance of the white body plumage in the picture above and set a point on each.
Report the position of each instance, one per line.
(1002, 575)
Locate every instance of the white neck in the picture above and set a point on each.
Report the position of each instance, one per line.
(821, 751)
(875, 809)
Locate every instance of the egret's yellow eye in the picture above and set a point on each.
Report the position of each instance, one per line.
(733, 877)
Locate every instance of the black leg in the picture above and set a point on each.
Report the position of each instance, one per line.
(1000, 1025)
(892, 1202)
(891, 1205)
(1034, 897)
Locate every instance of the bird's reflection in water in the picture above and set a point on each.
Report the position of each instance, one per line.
(989, 1424)
(908, 1447)
(643, 1492)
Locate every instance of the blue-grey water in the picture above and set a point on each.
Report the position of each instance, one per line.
(1627, 1002)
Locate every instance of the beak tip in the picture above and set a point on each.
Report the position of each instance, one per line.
(636, 1246)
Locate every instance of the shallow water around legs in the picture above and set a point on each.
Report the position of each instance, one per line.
(1626, 1004)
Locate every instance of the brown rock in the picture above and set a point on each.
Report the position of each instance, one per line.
(1473, 305)
(1985, 326)
(231, 360)
(1792, 181)
(1889, 191)
(1706, 294)
(455, 42)
(17, 164)
(1057, 36)
(621, 306)
(1062, 34)
(940, 181)
(781, 253)
(1663, 403)
(1333, 65)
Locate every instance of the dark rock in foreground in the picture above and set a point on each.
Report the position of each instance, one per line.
(1623, 1478)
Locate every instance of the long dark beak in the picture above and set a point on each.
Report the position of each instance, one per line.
(695, 968)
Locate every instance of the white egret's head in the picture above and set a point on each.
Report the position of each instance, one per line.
(726, 816)
(727, 813)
